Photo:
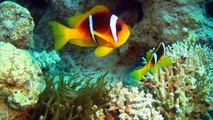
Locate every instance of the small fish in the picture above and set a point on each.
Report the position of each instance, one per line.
(155, 58)
(95, 28)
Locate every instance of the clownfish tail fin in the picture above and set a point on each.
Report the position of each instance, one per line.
(139, 73)
(61, 34)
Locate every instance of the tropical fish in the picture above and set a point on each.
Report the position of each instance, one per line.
(155, 58)
(95, 28)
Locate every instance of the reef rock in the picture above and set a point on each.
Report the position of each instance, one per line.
(16, 24)
(20, 80)
(170, 21)
(66, 8)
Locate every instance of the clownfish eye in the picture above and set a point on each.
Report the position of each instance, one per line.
(118, 27)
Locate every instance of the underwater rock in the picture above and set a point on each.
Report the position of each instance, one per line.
(20, 80)
(42, 36)
(67, 8)
(16, 24)
(167, 21)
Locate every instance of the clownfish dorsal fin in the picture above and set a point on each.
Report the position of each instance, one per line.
(102, 51)
(98, 8)
(77, 19)
(161, 44)
(105, 37)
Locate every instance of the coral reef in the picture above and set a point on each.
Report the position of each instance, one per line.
(20, 79)
(184, 90)
(131, 104)
(180, 91)
(16, 25)
(45, 60)
(71, 100)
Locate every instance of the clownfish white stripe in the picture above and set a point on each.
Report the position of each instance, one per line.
(155, 57)
(113, 21)
(163, 47)
(91, 29)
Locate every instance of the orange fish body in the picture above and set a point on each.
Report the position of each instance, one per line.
(95, 28)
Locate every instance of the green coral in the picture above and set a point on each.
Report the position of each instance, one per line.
(65, 100)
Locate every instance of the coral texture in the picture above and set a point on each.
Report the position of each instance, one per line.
(184, 90)
(19, 78)
(16, 24)
(45, 59)
(132, 104)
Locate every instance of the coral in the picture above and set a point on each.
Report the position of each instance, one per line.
(184, 89)
(45, 60)
(70, 99)
(20, 79)
(132, 104)
(16, 24)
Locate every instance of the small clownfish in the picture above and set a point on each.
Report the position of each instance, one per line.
(155, 59)
(95, 28)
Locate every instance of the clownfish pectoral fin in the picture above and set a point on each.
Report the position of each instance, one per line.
(77, 19)
(61, 34)
(102, 51)
(101, 35)
(164, 61)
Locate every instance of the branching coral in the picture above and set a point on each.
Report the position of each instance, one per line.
(184, 89)
(132, 104)
(69, 101)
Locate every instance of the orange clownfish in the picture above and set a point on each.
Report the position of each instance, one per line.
(95, 28)
(154, 59)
